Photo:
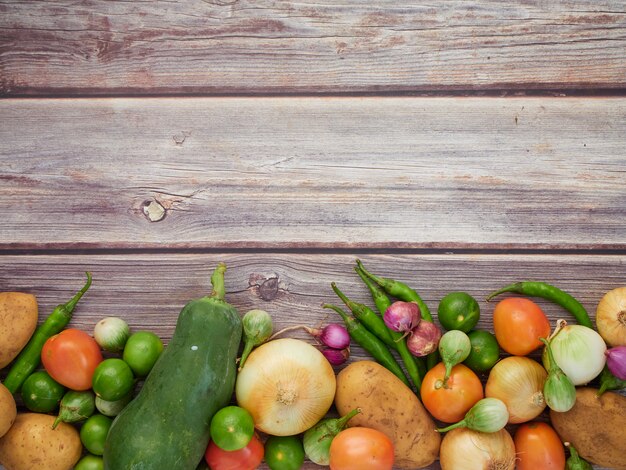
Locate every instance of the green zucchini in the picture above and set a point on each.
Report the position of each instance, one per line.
(167, 425)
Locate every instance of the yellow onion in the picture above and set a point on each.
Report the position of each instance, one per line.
(611, 317)
(464, 449)
(518, 381)
(287, 386)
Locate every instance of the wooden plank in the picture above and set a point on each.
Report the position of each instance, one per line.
(281, 173)
(149, 291)
(310, 46)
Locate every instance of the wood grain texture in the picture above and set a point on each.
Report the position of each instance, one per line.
(311, 46)
(149, 291)
(281, 173)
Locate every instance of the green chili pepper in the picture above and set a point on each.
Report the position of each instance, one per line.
(403, 292)
(415, 366)
(381, 299)
(399, 290)
(368, 341)
(30, 357)
(368, 318)
(551, 293)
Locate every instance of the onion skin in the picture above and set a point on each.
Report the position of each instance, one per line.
(611, 317)
(335, 336)
(402, 316)
(464, 449)
(518, 381)
(423, 339)
(336, 356)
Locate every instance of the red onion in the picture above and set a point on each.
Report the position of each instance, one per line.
(335, 336)
(332, 335)
(336, 356)
(402, 316)
(616, 361)
(424, 339)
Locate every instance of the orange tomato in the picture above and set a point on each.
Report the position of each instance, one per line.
(449, 403)
(363, 448)
(71, 357)
(538, 446)
(518, 324)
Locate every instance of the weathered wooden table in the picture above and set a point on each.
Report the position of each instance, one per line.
(452, 145)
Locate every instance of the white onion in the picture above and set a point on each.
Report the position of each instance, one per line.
(287, 386)
(464, 449)
(579, 351)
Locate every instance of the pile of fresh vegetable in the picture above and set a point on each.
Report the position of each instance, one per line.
(230, 393)
(69, 385)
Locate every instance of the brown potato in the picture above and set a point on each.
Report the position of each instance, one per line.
(8, 410)
(18, 320)
(595, 427)
(389, 406)
(32, 444)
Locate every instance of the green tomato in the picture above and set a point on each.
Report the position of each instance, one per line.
(90, 462)
(113, 379)
(41, 393)
(141, 352)
(284, 452)
(93, 433)
(232, 428)
(458, 311)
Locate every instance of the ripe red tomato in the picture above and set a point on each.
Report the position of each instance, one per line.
(518, 324)
(363, 448)
(71, 357)
(247, 458)
(537, 445)
(449, 403)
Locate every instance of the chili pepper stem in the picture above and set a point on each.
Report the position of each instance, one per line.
(341, 295)
(71, 304)
(378, 295)
(341, 313)
(510, 288)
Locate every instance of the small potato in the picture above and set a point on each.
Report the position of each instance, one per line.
(32, 444)
(18, 320)
(389, 406)
(595, 427)
(8, 410)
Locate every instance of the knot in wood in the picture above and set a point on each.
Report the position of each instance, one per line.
(153, 210)
(269, 288)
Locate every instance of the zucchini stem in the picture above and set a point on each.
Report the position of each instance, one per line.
(217, 281)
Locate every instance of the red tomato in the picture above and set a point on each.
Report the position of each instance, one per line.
(449, 403)
(71, 357)
(538, 446)
(361, 447)
(248, 458)
(518, 324)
